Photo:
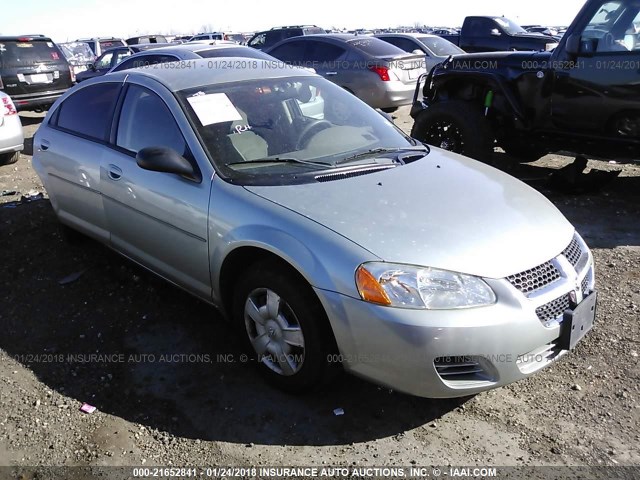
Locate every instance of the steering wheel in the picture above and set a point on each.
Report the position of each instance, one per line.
(309, 130)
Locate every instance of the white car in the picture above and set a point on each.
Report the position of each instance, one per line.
(11, 137)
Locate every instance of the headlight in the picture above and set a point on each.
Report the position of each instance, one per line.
(550, 46)
(426, 288)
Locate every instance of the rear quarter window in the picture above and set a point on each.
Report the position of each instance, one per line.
(89, 111)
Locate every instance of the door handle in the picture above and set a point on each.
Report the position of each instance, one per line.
(331, 74)
(44, 144)
(115, 173)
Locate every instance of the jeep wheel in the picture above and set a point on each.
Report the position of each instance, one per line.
(456, 126)
(284, 326)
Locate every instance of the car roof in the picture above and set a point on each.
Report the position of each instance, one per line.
(406, 34)
(198, 47)
(19, 38)
(97, 38)
(176, 79)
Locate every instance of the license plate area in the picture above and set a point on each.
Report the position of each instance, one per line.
(577, 322)
(39, 78)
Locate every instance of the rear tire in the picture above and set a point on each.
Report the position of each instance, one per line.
(9, 158)
(457, 126)
(284, 327)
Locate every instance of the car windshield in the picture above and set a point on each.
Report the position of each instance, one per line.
(29, 53)
(261, 131)
(509, 26)
(77, 52)
(440, 47)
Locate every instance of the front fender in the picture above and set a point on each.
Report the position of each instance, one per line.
(324, 258)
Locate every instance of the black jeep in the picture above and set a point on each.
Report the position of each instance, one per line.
(583, 97)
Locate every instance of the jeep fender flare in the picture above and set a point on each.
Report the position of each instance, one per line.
(442, 83)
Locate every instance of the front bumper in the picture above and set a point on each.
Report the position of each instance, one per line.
(453, 353)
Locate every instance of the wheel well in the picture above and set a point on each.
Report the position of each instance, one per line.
(238, 261)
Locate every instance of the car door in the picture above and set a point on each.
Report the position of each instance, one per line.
(158, 219)
(598, 90)
(70, 148)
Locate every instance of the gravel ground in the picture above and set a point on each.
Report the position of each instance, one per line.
(168, 392)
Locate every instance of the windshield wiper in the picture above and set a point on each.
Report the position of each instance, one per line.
(281, 160)
(381, 151)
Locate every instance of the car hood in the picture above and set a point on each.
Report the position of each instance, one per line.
(444, 211)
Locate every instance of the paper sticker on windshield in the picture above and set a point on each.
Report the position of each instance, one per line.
(214, 108)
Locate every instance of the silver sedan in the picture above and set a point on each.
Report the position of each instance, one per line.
(11, 136)
(333, 242)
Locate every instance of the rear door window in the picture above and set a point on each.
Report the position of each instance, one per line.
(323, 52)
(88, 112)
(290, 52)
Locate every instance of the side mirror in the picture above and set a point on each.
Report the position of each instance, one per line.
(417, 51)
(92, 66)
(572, 47)
(495, 32)
(167, 160)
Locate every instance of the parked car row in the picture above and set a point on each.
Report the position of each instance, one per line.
(332, 56)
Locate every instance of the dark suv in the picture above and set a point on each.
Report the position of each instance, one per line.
(583, 97)
(269, 38)
(33, 71)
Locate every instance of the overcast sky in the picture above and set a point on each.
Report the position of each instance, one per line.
(69, 19)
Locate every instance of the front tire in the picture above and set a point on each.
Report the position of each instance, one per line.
(9, 158)
(457, 126)
(284, 327)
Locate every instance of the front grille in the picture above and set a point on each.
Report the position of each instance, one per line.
(538, 358)
(585, 285)
(463, 369)
(534, 279)
(573, 252)
(554, 309)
